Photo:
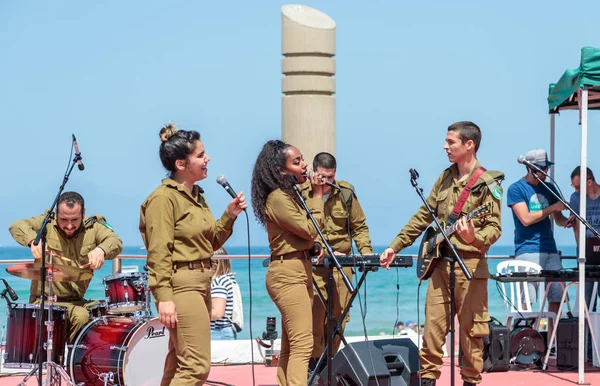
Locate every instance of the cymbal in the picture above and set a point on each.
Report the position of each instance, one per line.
(31, 271)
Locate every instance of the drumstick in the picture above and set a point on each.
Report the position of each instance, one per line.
(72, 261)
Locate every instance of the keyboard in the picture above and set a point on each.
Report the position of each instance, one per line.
(368, 261)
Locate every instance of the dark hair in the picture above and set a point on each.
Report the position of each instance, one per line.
(325, 161)
(176, 144)
(268, 176)
(577, 171)
(467, 131)
(70, 199)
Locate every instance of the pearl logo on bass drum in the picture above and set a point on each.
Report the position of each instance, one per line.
(151, 333)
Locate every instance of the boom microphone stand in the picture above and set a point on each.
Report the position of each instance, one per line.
(454, 258)
(41, 236)
(534, 170)
(331, 260)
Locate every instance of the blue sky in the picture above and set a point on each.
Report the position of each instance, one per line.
(113, 72)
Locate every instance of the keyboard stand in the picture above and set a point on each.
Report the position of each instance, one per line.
(338, 323)
(587, 318)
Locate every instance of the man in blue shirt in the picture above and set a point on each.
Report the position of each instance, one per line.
(592, 215)
(532, 207)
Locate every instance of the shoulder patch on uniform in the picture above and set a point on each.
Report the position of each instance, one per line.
(495, 189)
(108, 226)
(493, 178)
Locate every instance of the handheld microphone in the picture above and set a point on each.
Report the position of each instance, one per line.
(523, 160)
(324, 180)
(221, 180)
(11, 292)
(77, 154)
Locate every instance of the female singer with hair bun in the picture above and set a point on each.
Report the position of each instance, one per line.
(291, 240)
(180, 235)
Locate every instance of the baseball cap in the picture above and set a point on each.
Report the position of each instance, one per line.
(409, 322)
(538, 157)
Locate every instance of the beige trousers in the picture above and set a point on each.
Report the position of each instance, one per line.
(289, 284)
(188, 359)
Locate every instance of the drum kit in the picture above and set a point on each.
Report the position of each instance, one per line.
(121, 345)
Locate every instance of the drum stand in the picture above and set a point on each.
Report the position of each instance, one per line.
(54, 372)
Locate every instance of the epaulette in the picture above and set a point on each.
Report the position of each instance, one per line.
(493, 179)
(346, 185)
(89, 222)
(347, 192)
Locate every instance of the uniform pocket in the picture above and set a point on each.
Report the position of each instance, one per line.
(440, 201)
(87, 248)
(480, 326)
(339, 218)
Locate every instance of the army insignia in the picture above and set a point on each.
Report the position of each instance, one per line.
(108, 226)
(496, 190)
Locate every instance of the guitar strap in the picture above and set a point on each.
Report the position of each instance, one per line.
(464, 195)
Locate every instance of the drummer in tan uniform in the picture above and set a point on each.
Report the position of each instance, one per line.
(181, 234)
(74, 242)
(344, 221)
(472, 239)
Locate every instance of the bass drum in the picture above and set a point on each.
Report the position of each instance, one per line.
(115, 350)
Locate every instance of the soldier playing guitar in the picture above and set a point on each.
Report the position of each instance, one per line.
(473, 237)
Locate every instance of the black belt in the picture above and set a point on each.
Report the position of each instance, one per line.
(191, 265)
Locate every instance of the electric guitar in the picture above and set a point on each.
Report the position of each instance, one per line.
(429, 250)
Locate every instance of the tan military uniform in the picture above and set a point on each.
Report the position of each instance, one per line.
(95, 232)
(289, 280)
(470, 296)
(180, 235)
(335, 230)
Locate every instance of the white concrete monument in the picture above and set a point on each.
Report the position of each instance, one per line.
(308, 66)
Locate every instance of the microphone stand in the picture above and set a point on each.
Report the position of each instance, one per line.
(533, 168)
(41, 236)
(331, 260)
(454, 258)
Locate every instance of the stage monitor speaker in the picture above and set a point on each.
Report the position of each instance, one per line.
(385, 362)
(567, 343)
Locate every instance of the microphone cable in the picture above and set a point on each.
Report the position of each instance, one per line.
(250, 297)
(221, 180)
(363, 311)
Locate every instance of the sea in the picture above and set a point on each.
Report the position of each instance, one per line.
(385, 298)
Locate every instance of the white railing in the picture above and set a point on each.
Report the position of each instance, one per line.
(116, 263)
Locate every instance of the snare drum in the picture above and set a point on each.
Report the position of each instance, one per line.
(126, 292)
(22, 335)
(116, 350)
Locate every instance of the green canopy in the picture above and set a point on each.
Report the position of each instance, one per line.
(564, 94)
